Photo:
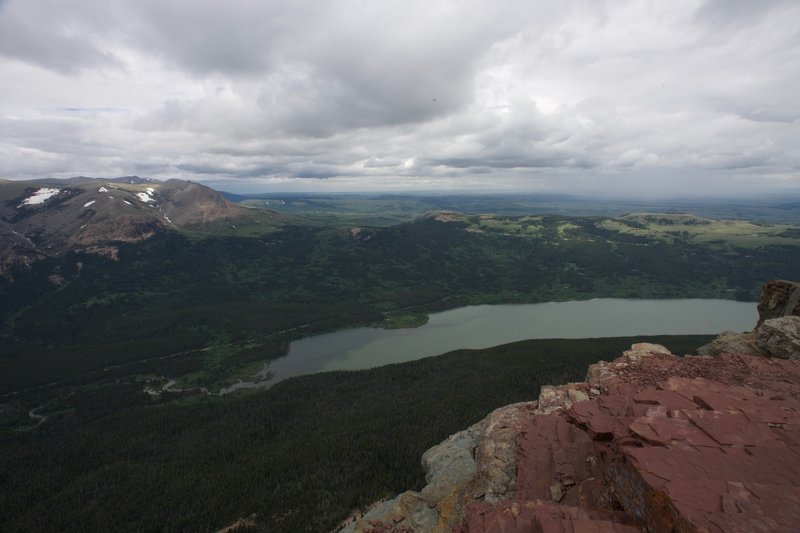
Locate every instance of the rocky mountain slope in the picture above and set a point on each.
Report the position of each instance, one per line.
(777, 332)
(49, 217)
(649, 442)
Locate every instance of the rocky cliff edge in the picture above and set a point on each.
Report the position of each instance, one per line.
(777, 333)
(649, 442)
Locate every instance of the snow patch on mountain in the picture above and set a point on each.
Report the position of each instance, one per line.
(40, 196)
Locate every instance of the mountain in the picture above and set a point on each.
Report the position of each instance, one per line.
(49, 217)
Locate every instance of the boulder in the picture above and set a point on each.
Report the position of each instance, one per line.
(559, 397)
(496, 453)
(780, 337)
(406, 513)
(449, 466)
(732, 342)
(778, 298)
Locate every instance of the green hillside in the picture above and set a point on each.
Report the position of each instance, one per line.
(212, 308)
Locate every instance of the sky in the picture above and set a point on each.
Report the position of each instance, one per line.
(618, 98)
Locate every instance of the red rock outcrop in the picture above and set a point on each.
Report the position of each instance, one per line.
(540, 517)
(650, 442)
(668, 444)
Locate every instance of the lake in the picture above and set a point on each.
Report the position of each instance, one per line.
(482, 326)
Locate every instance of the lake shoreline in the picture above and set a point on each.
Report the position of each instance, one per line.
(646, 317)
(290, 364)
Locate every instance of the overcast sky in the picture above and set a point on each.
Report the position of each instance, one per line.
(643, 98)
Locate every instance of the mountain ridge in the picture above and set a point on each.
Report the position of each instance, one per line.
(49, 217)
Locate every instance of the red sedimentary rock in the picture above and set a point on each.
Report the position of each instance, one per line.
(649, 442)
(540, 517)
(665, 444)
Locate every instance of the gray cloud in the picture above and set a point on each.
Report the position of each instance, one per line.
(736, 13)
(46, 34)
(771, 114)
(585, 95)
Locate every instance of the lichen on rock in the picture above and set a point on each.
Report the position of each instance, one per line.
(477, 464)
(780, 337)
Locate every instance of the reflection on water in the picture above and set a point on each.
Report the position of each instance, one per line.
(483, 326)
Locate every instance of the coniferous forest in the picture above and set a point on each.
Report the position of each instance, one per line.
(301, 455)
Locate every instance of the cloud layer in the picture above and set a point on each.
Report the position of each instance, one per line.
(593, 97)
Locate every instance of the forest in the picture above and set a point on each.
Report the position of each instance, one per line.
(301, 455)
(84, 443)
(168, 301)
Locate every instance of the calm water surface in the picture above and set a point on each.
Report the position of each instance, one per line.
(483, 326)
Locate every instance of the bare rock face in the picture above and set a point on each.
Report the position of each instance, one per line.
(559, 397)
(650, 442)
(405, 513)
(449, 465)
(780, 337)
(485, 463)
(479, 463)
(678, 444)
(539, 517)
(733, 342)
(713, 447)
(496, 453)
(778, 298)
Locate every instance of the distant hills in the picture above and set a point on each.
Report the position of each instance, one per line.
(380, 209)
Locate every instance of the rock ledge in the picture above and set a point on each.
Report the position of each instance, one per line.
(650, 441)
